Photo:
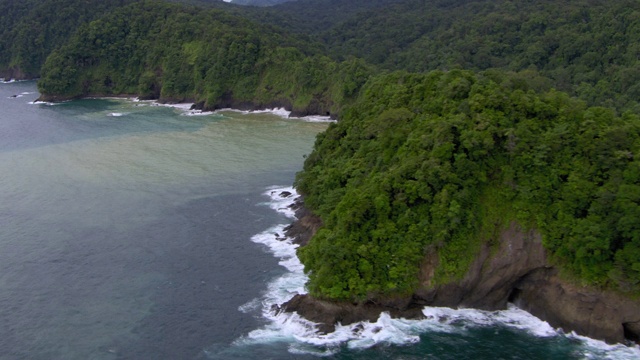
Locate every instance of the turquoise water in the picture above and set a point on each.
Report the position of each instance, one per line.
(134, 231)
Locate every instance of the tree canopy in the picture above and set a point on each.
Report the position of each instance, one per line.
(456, 117)
(444, 160)
(177, 53)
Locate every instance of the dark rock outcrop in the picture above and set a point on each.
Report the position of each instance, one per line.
(316, 106)
(515, 269)
(492, 275)
(587, 311)
(329, 313)
(15, 74)
(307, 224)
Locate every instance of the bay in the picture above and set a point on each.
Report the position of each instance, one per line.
(135, 231)
(125, 227)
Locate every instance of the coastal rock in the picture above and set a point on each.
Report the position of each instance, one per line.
(316, 106)
(301, 230)
(587, 311)
(514, 269)
(329, 313)
(53, 98)
(16, 74)
(492, 275)
(632, 331)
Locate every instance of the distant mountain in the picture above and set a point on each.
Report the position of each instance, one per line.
(259, 2)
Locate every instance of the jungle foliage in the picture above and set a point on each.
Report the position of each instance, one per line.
(177, 53)
(31, 29)
(420, 159)
(588, 48)
(444, 160)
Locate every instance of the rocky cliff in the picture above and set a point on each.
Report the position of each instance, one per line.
(14, 73)
(515, 269)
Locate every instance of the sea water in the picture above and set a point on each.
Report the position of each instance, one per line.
(130, 230)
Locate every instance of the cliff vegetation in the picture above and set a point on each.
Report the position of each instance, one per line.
(457, 118)
(441, 160)
(178, 53)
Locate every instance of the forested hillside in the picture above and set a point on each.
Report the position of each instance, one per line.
(258, 2)
(446, 160)
(178, 53)
(589, 48)
(31, 29)
(420, 158)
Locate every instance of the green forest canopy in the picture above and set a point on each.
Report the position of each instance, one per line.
(443, 160)
(423, 160)
(178, 53)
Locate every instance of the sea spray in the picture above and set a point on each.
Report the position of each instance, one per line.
(300, 337)
(283, 113)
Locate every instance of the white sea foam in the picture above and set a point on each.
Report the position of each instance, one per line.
(21, 95)
(250, 306)
(185, 108)
(116, 114)
(301, 337)
(282, 112)
(36, 102)
(10, 81)
(198, 113)
(318, 118)
(181, 106)
(595, 349)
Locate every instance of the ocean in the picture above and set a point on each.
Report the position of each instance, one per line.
(132, 230)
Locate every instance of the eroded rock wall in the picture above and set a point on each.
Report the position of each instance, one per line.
(514, 269)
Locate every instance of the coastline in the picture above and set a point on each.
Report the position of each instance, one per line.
(518, 272)
(470, 293)
(385, 328)
(314, 110)
(194, 108)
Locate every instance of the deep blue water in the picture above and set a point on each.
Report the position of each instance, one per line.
(132, 231)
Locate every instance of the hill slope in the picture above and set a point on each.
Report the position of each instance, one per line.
(31, 29)
(212, 57)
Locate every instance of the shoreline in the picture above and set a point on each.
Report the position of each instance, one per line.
(516, 272)
(196, 109)
(385, 329)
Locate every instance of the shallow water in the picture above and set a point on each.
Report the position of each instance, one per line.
(129, 236)
(134, 231)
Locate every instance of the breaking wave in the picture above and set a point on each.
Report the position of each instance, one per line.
(300, 338)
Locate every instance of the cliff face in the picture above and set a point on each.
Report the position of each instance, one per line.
(15, 73)
(515, 270)
(518, 272)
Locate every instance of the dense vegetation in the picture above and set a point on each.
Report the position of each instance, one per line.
(31, 29)
(589, 48)
(258, 2)
(445, 160)
(425, 160)
(177, 53)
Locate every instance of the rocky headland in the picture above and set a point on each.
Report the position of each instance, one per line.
(514, 269)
